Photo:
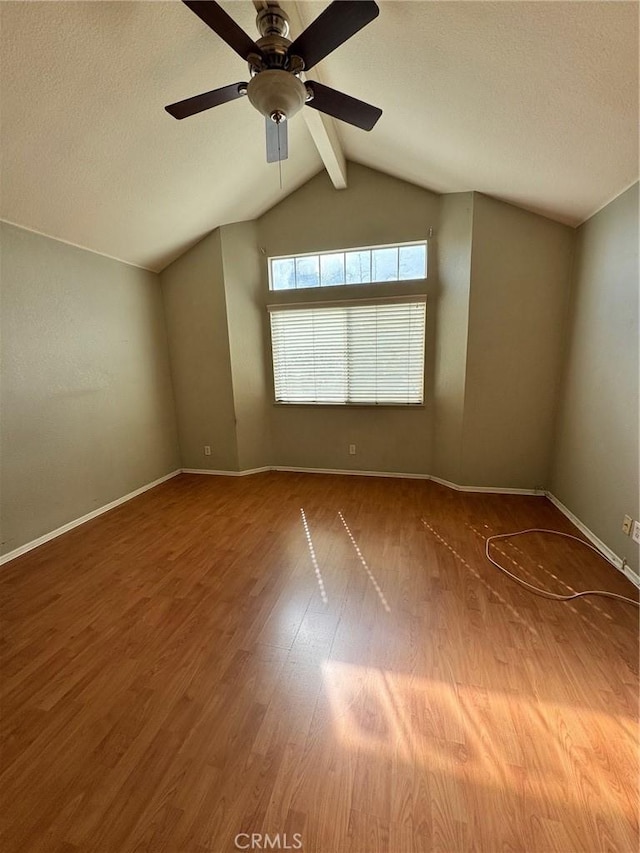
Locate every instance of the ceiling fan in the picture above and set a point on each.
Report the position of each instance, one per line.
(276, 63)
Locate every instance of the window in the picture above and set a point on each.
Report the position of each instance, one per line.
(349, 353)
(402, 262)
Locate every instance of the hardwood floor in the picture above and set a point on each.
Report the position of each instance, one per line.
(323, 655)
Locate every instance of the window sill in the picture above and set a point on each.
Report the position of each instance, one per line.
(282, 405)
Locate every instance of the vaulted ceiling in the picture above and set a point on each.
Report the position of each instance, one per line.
(533, 102)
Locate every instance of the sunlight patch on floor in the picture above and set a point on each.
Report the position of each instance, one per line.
(473, 571)
(370, 574)
(314, 559)
(478, 735)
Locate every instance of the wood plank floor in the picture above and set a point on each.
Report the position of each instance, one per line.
(323, 655)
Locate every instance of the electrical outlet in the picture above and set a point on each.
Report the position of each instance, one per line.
(207, 450)
(352, 450)
(627, 521)
(636, 532)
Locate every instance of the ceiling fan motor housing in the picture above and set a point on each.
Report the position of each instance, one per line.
(276, 93)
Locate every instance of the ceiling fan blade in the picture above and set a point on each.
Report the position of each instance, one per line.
(342, 106)
(277, 142)
(223, 24)
(339, 21)
(191, 106)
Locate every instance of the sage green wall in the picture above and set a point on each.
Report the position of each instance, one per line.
(246, 318)
(520, 274)
(452, 328)
(374, 208)
(595, 471)
(497, 291)
(195, 305)
(85, 389)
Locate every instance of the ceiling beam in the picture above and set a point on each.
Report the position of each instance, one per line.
(323, 132)
(321, 127)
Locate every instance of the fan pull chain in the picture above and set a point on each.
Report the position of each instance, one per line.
(279, 155)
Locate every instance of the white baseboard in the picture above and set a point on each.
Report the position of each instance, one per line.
(29, 546)
(227, 473)
(606, 552)
(495, 490)
(350, 472)
(490, 490)
(631, 575)
(599, 544)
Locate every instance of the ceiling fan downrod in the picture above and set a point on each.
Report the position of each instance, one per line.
(273, 25)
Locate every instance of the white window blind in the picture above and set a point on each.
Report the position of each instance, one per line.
(349, 353)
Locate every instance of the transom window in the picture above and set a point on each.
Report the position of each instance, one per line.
(399, 262)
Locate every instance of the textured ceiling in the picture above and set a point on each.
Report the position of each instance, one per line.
(533, 102)
(536, 103)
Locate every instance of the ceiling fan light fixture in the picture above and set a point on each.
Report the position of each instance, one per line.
(276, 92)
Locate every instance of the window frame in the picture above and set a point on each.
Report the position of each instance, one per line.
(405, 298)
(319, 254)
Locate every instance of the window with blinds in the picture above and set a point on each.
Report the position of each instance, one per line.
(350, 353)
